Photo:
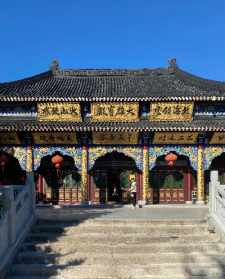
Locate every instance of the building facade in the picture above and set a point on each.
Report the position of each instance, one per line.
(89, 134)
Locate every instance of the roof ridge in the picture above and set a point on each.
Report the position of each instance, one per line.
(92, 72)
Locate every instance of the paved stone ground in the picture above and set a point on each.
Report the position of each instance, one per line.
(128, 212)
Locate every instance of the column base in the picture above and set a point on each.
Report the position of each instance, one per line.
(141, 202)
(200, 202)
(189, 202)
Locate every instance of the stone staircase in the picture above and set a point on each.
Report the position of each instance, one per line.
(89, 248)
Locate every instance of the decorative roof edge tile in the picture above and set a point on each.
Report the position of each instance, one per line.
(73, 128)
(108, 99)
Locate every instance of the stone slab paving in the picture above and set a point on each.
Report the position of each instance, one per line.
(180, 212)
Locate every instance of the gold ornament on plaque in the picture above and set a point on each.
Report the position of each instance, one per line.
(171, 111)
(175, 137)
(63, 111)
(115, 138)
(115, 111)
(54, 138)
(9, 138)
(218, 138)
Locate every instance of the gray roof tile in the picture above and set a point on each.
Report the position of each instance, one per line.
(142, 125)
(145, 84)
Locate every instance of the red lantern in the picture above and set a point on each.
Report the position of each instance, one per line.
(57, 161)
(171, 159)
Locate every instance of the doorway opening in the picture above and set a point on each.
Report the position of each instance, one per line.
(112, 175)
(173, 180)
(58, 179)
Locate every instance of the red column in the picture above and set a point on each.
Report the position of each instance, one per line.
(91, 194)
(189, 198)
(187, 187)
(40, 188)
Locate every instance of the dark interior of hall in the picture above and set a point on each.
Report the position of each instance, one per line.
(111, 174)
(11, 172)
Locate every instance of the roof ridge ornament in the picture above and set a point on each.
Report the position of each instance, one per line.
(54, 67)
(173, 63)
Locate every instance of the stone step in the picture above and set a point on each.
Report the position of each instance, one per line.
(186, 229)
(121, 258)
(124, 248)
(113, 277)
(81, 270)
(121, 222)
(115, 237)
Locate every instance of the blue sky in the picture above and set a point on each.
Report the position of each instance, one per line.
(111, 34)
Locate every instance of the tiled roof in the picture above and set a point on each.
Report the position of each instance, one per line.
(98, 85)
(143, 125)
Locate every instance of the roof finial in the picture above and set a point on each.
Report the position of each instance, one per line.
(173, 63)
(54, 65)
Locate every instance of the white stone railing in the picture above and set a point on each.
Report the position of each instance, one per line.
(217, 204)
(16, 219)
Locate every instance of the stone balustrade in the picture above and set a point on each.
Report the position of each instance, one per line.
(16, 218)
(217, 204)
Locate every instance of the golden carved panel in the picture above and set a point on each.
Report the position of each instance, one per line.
(63, 111)
(9, 138)
(115, 111)
(115, 138)
(218, 138)
(175, 137)
(54, 138)
(171, 111)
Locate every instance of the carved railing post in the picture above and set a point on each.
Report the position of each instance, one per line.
(214, 182)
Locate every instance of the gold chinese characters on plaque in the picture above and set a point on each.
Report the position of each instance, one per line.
(63, 111)
(218, 138)
(9, 138)
(175, 137)
(115, 138)
(54, 138)
(115, 111)
(171, 111)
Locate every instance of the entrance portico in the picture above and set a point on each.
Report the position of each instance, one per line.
(143, 114)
